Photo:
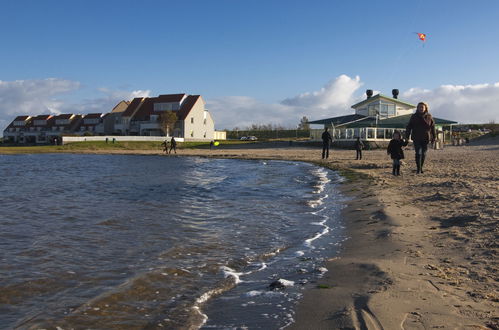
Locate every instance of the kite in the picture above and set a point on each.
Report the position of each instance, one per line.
(421, 36)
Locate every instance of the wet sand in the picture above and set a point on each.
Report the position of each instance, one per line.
(423, 248)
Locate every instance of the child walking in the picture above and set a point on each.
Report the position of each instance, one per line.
(396, 152)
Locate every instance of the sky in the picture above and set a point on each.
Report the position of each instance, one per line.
(254, 62)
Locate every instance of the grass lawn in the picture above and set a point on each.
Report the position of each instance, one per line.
(102, 145)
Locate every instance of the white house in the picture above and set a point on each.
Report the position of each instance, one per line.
(141, 117)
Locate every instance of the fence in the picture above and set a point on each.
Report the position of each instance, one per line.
(117, 138)
(270, 134)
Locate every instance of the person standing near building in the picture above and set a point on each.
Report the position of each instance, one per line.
(173, 145)
(358, 147)
(326, 138)
(421, 129)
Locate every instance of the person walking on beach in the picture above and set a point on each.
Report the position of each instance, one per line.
(358, 147)
(326, 138)
(165, 146)
(173, 145)
(421, 129)
(395, 151)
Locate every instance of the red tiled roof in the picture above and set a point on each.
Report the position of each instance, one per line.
(187, 106)
(169, 98)
(92, 116)
(142, 108)
(42, 117)
(131, 107)
(21, 118)
(18, 118)
(64, 116)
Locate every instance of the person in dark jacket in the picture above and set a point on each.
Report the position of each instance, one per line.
(421, 129)
(396, 151)
(358, 147)
(165, 146)
(173, 145)
(326, 138)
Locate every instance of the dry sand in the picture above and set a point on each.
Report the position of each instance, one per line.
(423, 248)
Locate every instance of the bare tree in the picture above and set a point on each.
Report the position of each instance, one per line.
(304, 125)
(167, 121)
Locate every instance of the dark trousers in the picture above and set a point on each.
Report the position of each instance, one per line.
(420, 147)
(174, 148)
(359, 154)
(396, 167)
(325, 150)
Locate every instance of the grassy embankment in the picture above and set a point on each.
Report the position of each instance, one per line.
(103, 146)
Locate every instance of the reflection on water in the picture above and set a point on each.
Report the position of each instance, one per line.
(146, 241)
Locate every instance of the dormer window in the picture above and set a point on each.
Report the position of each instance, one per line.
(166, 106)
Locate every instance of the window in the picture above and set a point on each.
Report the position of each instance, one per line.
(204, 134)
(373, 110)
(370, 133)
(387, 110)
(192, 133)
(166, 106)
(192, 120)
(204, 121)
(380, 133)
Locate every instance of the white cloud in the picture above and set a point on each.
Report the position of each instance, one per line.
(463, 103)
(334, 99)
(104, 103)
(336, 95)
(42, 96)
(24, 97)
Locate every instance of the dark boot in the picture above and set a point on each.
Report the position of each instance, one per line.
(422, 162)
(394, 170)
(418, 163)
(397, 169)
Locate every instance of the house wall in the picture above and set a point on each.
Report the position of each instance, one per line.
(220, 135)
(199, 125)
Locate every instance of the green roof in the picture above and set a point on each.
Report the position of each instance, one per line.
(393, 122)
(381, 96)
(337, 121)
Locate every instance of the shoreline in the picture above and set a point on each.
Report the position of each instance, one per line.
(422, 248)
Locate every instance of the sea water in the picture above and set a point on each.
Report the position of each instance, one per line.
(133, 242)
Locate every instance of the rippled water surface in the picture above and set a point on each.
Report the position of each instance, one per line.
(133, 242)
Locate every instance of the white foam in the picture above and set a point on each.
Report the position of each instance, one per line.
(286, 283)
(254, 293)
(322, 270)
(229, 272)
(308, 242)
(299, 253)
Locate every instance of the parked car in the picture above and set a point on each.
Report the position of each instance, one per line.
(243, 138)
(252, 138)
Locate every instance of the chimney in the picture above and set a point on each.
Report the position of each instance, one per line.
(395, 93)
(369, 93)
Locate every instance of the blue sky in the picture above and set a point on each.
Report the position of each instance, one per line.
(249, 56)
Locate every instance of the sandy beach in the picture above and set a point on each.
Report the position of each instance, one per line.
(423, 248)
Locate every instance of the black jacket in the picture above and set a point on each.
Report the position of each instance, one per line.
(421, 128)
(326, 137)
(395, 148)
(359, 145)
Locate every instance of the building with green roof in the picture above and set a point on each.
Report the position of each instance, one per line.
(374, 121)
